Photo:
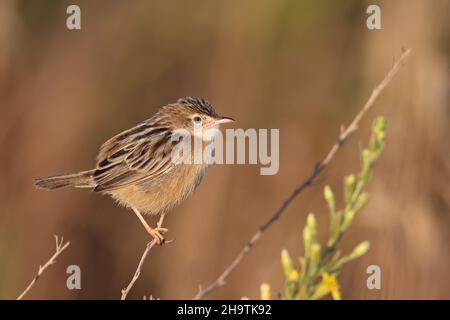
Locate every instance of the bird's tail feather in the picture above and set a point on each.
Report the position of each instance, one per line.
(79, 180)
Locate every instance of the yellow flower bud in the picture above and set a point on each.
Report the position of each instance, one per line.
(349, 187)
(311, 222)
(294, 275)
(360, 249)
(362, 200)
(348, 218)
(329, 197)
(286, 262)
(265, 291)
(309, 233)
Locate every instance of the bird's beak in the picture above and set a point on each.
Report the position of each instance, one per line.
(224, 120)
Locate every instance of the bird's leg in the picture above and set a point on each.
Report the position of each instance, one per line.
(161, 219)
(159, 224)
(154, 232)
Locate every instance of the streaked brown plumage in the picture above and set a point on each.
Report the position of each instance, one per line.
(136, 169)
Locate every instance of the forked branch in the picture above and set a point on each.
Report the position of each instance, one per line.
(60, 247)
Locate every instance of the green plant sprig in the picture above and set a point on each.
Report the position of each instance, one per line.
(303, 281)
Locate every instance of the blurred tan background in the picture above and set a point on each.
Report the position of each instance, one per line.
(305, 67)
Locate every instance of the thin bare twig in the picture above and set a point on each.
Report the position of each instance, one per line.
(138, 270)
(319, 167)
(60, 247)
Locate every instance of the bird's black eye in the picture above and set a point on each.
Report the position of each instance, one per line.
(197, 120)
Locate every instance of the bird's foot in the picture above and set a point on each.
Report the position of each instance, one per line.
(157, 234)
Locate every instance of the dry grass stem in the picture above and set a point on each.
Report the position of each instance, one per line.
(60, 247)
(136, 275)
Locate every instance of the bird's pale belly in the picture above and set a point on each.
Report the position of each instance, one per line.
(159, 196)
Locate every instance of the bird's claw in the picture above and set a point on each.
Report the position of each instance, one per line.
(157, 234)
(161, 230)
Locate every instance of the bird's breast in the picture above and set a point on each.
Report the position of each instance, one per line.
(161, 195)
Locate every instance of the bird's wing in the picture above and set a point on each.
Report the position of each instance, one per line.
(140, 154)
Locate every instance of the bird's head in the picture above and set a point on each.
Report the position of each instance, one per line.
(195, 115)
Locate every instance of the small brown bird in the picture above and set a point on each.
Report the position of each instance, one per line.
(136, 167)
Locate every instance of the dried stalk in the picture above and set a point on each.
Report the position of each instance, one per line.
(60, 247)
(138, 270)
